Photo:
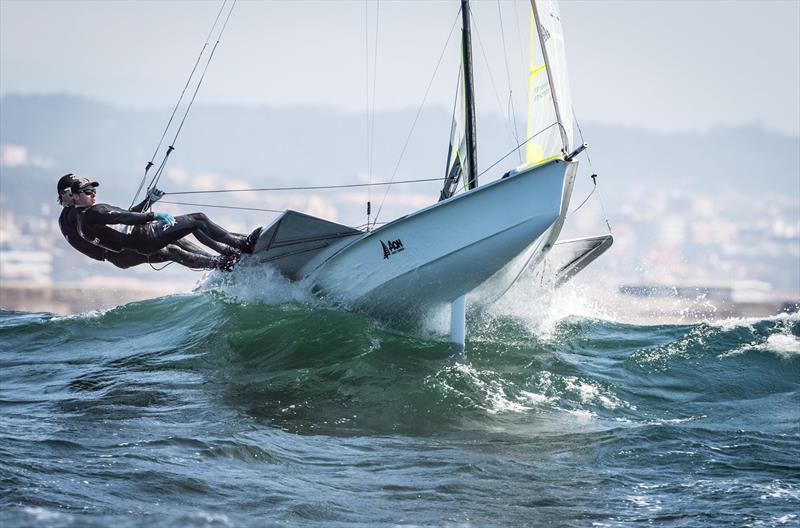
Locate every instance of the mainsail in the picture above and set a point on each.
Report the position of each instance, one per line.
(549, 100)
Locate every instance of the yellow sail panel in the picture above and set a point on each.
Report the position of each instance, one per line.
(534, 152)
(550, 117)
(541, 110)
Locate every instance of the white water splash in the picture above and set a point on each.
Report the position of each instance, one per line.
(556, 387)
(782, 342)
(541, 309)
(492, 392)
(262, 284)
(748, 322)
(783, 345)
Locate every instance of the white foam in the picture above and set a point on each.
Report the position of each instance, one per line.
(542, 308)
(534, 398)
(778, 490)
(785, 345)
(748, 322)
(495, 399)
(262, 284)
(591, 394)
(782, 344)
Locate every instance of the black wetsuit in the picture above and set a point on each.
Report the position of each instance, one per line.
(183, 252)
(149, 235)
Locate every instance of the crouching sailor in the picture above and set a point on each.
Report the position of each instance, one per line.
(155, 237)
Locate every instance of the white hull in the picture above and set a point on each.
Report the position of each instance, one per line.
(444, 251)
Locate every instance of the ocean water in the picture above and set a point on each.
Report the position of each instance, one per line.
(226, 409)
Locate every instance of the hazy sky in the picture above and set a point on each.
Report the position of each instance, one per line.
(666, 66)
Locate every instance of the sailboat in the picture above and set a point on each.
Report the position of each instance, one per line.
(479, 240)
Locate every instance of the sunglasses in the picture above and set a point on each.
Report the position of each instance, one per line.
(88, 192)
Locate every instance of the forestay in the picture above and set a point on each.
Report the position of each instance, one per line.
(549, 100)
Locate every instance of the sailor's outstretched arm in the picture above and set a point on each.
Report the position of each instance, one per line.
(108, 214)
(138, 207)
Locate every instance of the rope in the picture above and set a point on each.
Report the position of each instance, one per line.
(162, 267)
(580, 132)
(594, 179)
(157, 176)
(508, 154)
(177, 105)
(516, 149)
(308, 188)
(419, 111)
(594, 176)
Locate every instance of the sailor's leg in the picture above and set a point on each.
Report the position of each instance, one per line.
(458, 322)
(189, 246)
(200, 260)
(207, 241)
(205, 226)
(152, 237)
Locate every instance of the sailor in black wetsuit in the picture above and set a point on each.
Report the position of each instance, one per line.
(92, 236)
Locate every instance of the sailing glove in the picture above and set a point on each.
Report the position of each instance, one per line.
(154, 195)
(167, 218)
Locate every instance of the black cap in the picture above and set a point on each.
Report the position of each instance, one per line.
(65, 182)
(82, 183)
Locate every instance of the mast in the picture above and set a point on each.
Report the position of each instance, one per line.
(469, 98)
(546, 57)
(462, 159)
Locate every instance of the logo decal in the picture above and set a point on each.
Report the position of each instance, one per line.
(391, 247)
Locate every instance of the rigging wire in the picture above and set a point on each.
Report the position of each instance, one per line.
(374, 84)
(518, 147)
(177, 105)
(594, 188)
(510, 108)
(366, 94)
(308, 187)
(594, 176)
(519, 37)
(509, 153)
(491, 78)
(416, 118)
(371, 115)
(225, 207)
(159, 172)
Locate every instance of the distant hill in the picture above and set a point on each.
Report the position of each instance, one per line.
(264, 145)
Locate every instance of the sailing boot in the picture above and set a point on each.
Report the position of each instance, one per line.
(249, 242)
(226, 262)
